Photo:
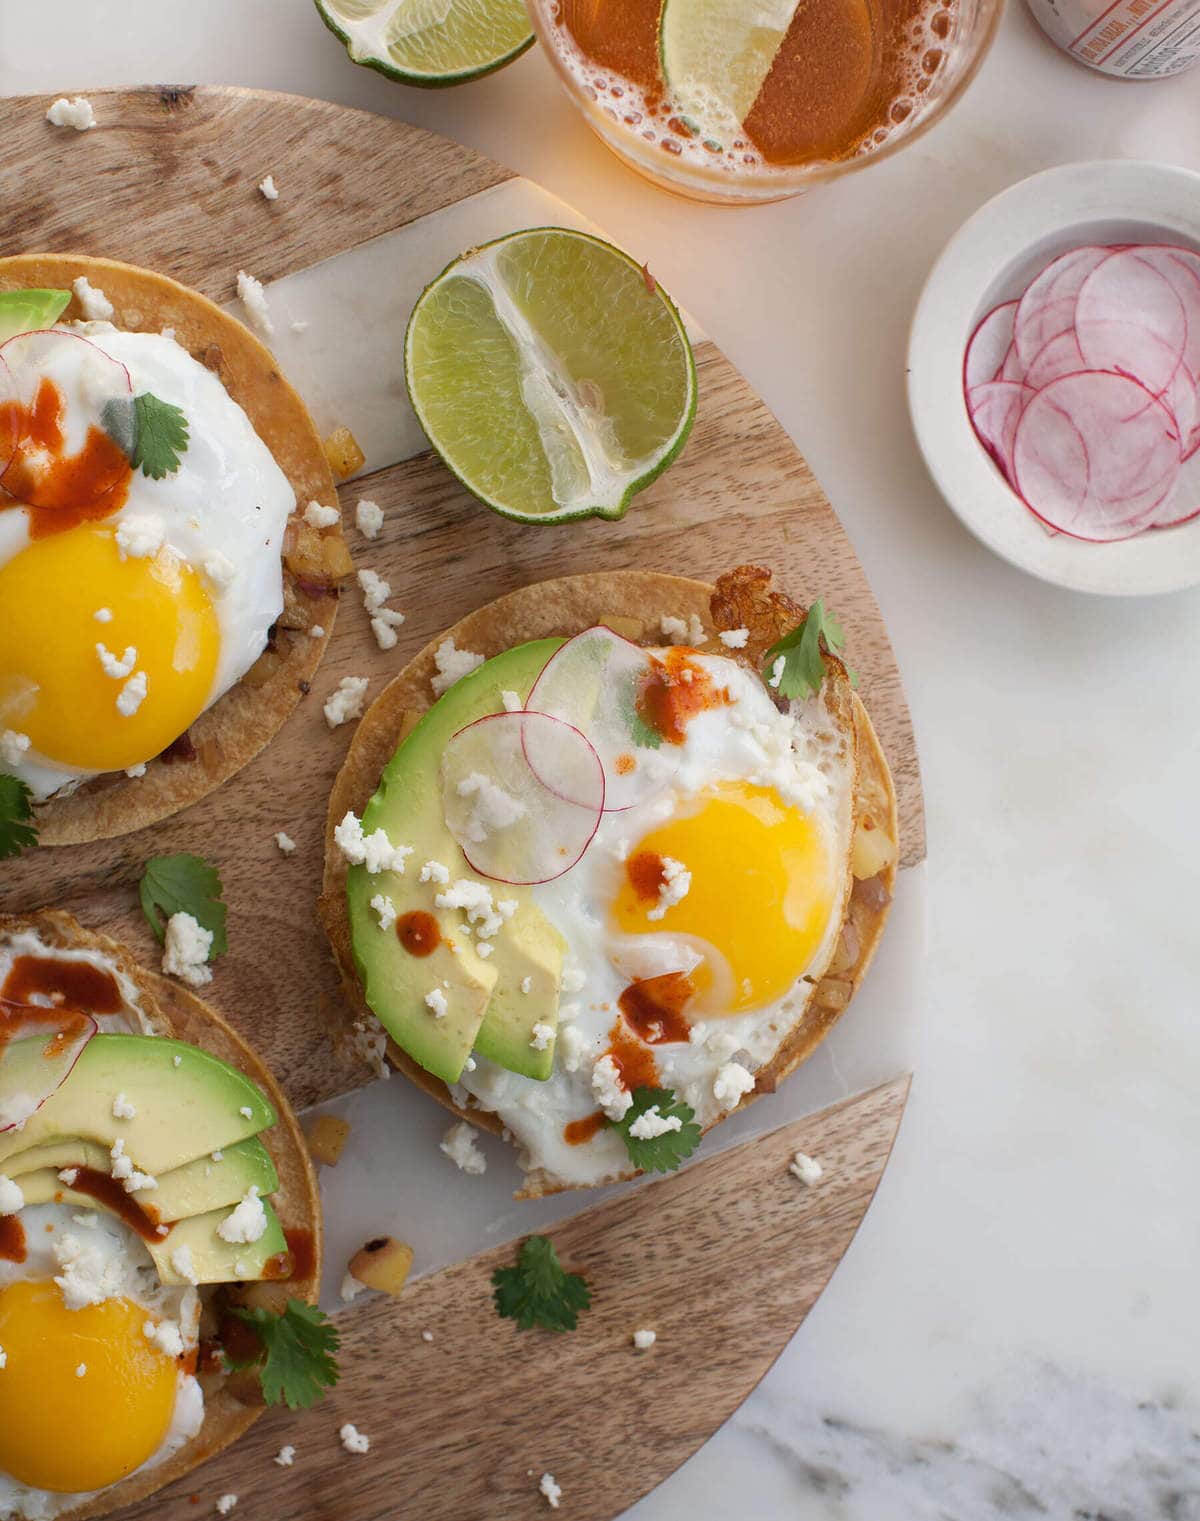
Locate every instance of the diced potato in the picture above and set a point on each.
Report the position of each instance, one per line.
(873, 849)
(382, 1264)
(338, 563)
(326, 1138)
(628, 628)
(268, 1294)
(342, 452)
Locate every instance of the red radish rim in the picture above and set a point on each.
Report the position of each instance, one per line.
(640, 650)
(83, 1039)
(971, 341)
(1143, 519)
(523, 714)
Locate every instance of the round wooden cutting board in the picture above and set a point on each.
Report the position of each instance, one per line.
(723, 1259)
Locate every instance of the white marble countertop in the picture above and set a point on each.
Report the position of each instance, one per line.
(1014, 1332)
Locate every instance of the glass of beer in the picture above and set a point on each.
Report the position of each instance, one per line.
(743, 101)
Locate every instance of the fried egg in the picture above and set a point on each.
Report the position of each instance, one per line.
(131, 604)
(96, 1381)
(696, 924)
(98, 1356)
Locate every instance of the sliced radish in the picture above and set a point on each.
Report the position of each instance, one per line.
(515, 824)
(996, 408)
(89, 389)
(1059, 357)
(38, 1051)
(593, 682)
(1012, 368)
(1180, 268)
(989, 345)
(1048, 306)
(1129, 319)
(1096, 455)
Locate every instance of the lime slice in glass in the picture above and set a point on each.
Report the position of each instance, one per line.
(551, 374)
(430, 42)
(715, 56)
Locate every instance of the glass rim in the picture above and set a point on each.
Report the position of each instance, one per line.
(687, 179)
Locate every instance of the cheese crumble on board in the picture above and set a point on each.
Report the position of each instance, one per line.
(345, 702)
(460, 1146)
(806, 1168)
(76, 112)
(551, 1490)
(354, 1440)
(254, 300)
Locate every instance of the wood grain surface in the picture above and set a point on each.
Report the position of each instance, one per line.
(723, 1261)
(168, 179)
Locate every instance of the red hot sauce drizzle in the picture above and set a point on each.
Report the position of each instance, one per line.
(12, 1239)
(78, 984)
(418, 932)
(70, 488)
(674, 691)
(107, 1191)
(653, 1007)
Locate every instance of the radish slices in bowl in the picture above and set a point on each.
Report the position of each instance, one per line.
(1084, 389)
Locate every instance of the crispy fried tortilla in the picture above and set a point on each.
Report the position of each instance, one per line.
(231, 732)
(632, 603)
(231, 1402)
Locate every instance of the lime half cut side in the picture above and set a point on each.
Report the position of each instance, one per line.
(551, 374)
(716, 55)
(430, 42)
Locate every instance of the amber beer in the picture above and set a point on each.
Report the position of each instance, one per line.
(847, 76)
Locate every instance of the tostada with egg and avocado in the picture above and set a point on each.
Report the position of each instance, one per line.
(160, 1229)
(623, 874)
(169, 545)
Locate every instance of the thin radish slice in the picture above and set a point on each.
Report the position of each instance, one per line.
(1096, 455)
(996, 408)
(1182, 400)
(1012, 368)
(593, 682)
(1048, 306)
(65, 386)
(10, 409)
(1130, 320)
(1057, 358)
(38, 1051)
(513, 825)
(989, 345)
(1180, 268)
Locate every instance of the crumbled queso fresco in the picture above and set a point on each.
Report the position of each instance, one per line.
(346, 700)
(254, 300)
(186, 948)
(76, 112)
(460, 1146)
(452, 664)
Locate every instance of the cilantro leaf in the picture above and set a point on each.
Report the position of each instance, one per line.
(16, 834)
(539, 1291)
(803, 650)
(661, 1153)
(162, 436)
(183, 884)
(298, 1359)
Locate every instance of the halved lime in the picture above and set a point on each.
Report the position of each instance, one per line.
(715, 57)
(430, 42)
(551, 374)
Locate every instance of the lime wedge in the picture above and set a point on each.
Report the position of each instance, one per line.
(430, 42)
(551, 374)
(716, 55)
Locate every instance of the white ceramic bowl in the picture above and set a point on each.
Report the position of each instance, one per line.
(991, 258)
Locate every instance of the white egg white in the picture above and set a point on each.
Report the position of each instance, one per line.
(799, 755)
(228, 498)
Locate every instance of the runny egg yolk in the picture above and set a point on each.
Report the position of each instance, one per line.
(70, 1432)
(53, 683)
(761, 891)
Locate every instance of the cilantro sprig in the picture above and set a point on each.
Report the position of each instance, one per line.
(16, 809)
(665, 1152)
(539, 1291)
(298, 1361)
(803, 651)
(183, 884)
(162, 436)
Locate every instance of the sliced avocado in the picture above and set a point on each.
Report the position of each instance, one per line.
(183, 1111)
(69, 1152)
(214, 1259)
(198, 1187)
(21, 311)
(193, 1189)
(485, 1006)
